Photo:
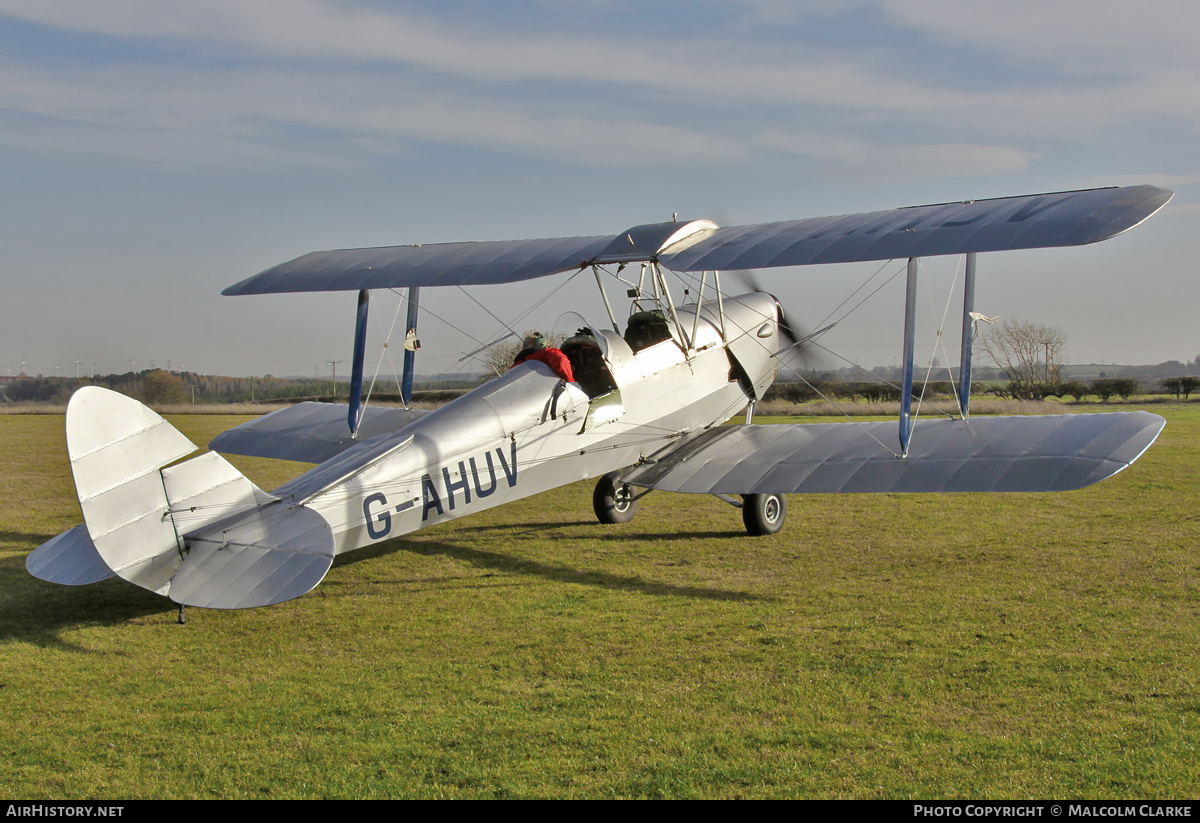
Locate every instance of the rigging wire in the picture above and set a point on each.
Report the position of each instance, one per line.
(425, 309)
(844, 414)
(436, 316)
(850, 296)
(689, 281)
(938, 341)
(379, 363)
(489, 311)
(539, 303)
(803, 379)
(660, 434)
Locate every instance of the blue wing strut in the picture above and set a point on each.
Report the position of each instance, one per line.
(360, 349)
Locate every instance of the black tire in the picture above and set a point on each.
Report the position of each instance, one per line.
(763, 513)
(613, 500)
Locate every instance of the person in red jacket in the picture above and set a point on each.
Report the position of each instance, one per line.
(534, 348)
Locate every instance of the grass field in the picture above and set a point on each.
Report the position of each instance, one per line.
(1003, 646)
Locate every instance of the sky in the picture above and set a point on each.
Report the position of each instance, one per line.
(155, 153)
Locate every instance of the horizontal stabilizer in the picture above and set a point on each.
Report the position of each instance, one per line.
(70, 559)
(263, 557)
(981, 454)
(309, 432)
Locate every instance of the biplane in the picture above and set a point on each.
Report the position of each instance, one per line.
(645, 408)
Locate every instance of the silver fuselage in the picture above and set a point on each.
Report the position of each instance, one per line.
(528, 431)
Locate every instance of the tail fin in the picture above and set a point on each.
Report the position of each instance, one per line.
(153, 524)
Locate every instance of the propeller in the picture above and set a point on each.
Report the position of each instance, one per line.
(800, 346)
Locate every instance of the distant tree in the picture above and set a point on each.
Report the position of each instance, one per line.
(845, 391)
(159, 386)
(43, 389)
(30, 388)
(878, 392)
(1029, 354)
(1181, 385)
(1106, 387)
(1102, 387)
(791, 392)
(1127, 387)
(1076, 388)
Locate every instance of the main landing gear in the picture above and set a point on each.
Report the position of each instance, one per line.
(616, 502)
(613, 500)
(763, 513)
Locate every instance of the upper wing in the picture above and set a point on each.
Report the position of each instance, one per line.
(1071, 218)
(982, 454)
(441, 264)
(309, 432)
(1032, 221)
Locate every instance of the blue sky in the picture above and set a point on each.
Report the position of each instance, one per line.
(155, 153)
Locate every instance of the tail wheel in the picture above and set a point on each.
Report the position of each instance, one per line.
(613, 500)
(763, 513)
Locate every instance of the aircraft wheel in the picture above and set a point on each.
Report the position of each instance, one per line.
(763, 513)
(613, 500)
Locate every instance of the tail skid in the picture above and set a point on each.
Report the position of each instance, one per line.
(198, 532)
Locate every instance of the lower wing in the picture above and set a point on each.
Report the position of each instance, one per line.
(982, 454)
(309, 432)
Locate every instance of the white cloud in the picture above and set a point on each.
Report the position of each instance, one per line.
(374, 78)
(1089, 37)
(242, 118)
(719, 69)
(1167, 181)
(306, 30)
(900, 162)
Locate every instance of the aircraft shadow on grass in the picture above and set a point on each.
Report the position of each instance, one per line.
(558, 573)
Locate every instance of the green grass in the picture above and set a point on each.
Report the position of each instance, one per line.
(1004, 646)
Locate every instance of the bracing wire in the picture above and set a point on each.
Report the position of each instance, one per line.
(865, 283)
(844, 414)
(939, 341)
(489, 311)
(384, 351)
(803, 379)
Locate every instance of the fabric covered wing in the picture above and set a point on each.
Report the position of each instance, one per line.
(1033, 221)
(309, 432)
(441, 264)
(983, 454)
(1027, 222)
